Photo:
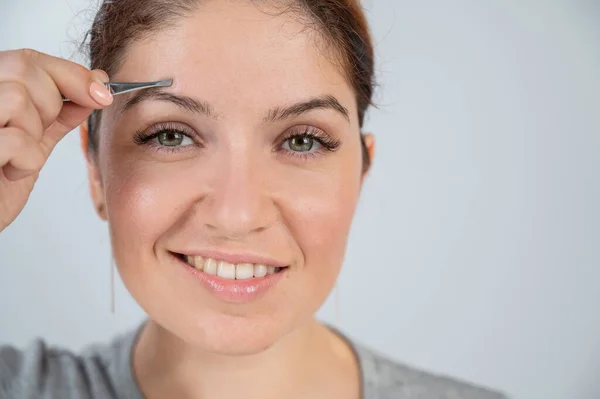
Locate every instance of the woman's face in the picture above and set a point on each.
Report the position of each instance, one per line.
(252, 157)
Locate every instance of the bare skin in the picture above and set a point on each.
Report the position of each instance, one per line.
(233, 184)
(311, 362)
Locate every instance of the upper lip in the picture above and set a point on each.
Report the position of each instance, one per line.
(236, 258)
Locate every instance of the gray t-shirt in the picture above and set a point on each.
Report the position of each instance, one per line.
(105, 372)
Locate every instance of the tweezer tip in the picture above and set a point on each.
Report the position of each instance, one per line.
(165, 83)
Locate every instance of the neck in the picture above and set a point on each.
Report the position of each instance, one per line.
(166, 366)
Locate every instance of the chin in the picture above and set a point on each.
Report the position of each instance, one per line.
(234, 336)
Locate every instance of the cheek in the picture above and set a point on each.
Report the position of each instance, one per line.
(319, 216)
(143, 202)
(324, 217)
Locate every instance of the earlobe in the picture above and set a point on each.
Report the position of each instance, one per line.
(94, 178)
(369, 145)
(101, 210)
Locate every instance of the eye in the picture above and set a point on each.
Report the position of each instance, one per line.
(307, 142)
(169, 136)
(301, 143)
(172, 138)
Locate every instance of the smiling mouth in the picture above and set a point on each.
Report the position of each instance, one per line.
(229, 271)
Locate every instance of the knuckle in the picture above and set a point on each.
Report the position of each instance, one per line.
(54, 105)
(21, 139)
(19, 62)
(50, 111)
(29, 54)
(16, 140)
(17, 97)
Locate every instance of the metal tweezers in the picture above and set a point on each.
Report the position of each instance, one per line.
(117, 88)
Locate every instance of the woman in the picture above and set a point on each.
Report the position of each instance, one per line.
(229, 197)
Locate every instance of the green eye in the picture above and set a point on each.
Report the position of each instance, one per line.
(172, 139)
(301, 143)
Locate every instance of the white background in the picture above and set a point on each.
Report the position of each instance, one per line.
(475, 250)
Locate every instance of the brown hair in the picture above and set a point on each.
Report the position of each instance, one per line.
(342, 23)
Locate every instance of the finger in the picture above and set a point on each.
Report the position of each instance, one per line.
(71, 116)
(76, 82)
(20, 67)
(17, 110)
(13, 174)
(20, 154)
(46, 77)
(100, 75)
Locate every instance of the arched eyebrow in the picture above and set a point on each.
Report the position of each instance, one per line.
(186, 103)
(324, 102)
(276, 114)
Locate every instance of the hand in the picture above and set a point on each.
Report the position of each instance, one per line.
(33, 117)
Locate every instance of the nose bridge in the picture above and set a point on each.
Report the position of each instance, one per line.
(238, 203)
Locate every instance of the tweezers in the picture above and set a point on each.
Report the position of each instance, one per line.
(117, 88)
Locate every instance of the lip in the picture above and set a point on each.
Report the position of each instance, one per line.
(232, 291)
(235, 258)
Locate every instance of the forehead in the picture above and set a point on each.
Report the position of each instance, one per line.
(233, 52)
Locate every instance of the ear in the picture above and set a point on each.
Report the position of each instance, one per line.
(94, 178)
(369, 142)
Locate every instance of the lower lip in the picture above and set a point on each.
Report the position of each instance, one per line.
(235, 291)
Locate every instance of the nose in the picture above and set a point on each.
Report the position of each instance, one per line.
(238, 203)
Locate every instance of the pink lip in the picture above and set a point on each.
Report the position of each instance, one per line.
(235, 258)
(234, 291)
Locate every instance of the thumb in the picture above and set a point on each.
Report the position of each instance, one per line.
(71, 116)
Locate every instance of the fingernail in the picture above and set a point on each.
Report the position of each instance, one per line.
(100, 93)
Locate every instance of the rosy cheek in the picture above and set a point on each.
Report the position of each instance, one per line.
(322, 215)
(142, 202)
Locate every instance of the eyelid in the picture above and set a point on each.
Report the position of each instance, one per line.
(326, 141)
(174, 126)
(142, 136)
(303, 130)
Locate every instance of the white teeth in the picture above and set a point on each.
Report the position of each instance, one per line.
(244, 271)
(226, 270)
(260, 271)
(210, 267)
(198, 262)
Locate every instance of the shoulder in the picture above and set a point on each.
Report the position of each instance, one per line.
(40, 371)
(383, 378)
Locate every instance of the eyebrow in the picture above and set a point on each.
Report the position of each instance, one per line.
(184, 102)
(324, 102)
(201, 107)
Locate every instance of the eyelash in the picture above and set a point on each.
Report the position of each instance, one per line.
(145, 137)
(327, 142)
